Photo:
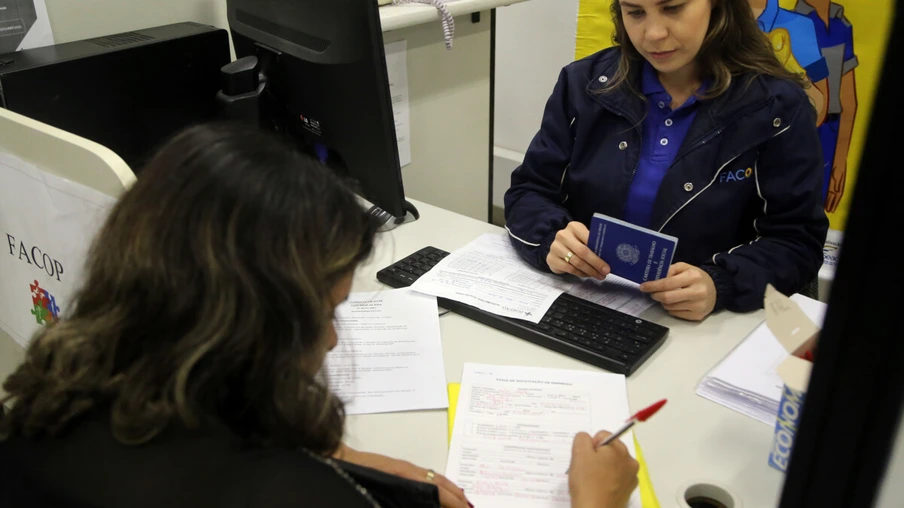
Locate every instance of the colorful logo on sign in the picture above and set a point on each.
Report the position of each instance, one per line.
(44, 307)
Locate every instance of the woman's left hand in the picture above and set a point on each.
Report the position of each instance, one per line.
(687, 292)
(450, 496)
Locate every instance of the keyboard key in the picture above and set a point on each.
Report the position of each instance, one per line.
(639, 338)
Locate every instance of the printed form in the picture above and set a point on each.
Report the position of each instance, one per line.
(389, 356)
(488, 274)
(615, 293)
(514, 427)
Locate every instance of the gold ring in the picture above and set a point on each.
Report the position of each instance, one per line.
(430, 475)
(567, 257)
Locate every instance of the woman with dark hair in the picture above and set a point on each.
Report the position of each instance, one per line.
(689, 126)
(188, 372)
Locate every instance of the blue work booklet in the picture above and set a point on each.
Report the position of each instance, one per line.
(635, 253)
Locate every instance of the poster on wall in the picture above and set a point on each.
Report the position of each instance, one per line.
(839, 46)
(23, 24)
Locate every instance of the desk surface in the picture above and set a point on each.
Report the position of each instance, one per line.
(691, 441)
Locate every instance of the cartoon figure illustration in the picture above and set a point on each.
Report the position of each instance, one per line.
(794, 41)
(835, 36)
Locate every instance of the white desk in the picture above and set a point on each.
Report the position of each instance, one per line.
(691, 441)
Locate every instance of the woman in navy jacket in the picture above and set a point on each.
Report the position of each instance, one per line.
(691, 127)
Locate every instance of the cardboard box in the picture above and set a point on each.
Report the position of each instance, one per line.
(798, 334)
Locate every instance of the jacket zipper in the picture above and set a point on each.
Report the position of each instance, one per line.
(633, 172)
(664, 224)
(707, 139)
(721, 128)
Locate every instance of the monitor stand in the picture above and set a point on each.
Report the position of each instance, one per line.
(387, 221)
(239, 99)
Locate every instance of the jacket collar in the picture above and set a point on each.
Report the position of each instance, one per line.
(743, 95)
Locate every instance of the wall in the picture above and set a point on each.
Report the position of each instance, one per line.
(449, 95)
(79, 19)
(534, 40)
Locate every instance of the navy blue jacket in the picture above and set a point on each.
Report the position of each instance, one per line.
(743, 195)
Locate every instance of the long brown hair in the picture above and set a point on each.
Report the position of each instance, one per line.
(206, 298)
(734, 45)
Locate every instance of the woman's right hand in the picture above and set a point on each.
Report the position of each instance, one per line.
(583, 262)
(601, 477)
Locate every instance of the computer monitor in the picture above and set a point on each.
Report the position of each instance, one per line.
(315, 70)
(852, 411)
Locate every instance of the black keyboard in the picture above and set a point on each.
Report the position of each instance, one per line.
(580, 329)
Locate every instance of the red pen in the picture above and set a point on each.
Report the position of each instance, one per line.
(640, 416)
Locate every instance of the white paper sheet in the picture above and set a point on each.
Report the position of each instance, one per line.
(746, 380)
(514, 427)
(488, 274)
(397, 68)
(615, 293)
(389, 356)
(23, 25)
(47, 224)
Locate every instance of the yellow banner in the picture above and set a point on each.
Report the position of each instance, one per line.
(868, 20)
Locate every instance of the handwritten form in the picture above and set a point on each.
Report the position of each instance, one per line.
(389, 356)
(514, 427)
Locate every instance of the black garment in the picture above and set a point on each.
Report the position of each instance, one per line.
(87, 467)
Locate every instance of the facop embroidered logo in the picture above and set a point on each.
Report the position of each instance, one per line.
(735, 176)
(44, 307)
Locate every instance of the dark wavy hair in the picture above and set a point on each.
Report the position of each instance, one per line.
(734, 45)
(206, 298)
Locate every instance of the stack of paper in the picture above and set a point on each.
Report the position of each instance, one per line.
(514, 428)
(389, 356)
(746, 380)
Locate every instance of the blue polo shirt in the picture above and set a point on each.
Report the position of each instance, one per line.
(663, 131)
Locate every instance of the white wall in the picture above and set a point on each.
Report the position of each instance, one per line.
(73, 20)
(534, 40)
